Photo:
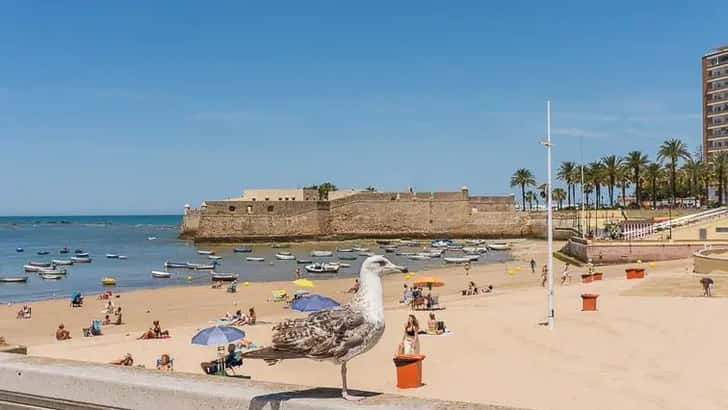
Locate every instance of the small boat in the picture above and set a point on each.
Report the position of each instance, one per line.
(242, 250)
(62, 262)
(82, 255)
(19, 250)
(359, 249)
(475, 242)
(42, 252)
(161, 275)
(112, 256)
(205, 252)
(418, 257)
(53, 271)
(223, 276)
(176, 265)
(456, 259)
(340, 264)
(383, 242)
(285, 257)
(473, 258)
(77, 251)
(303, 261)
(455, 247)
(108, 281)
(123, 257)
(407, 242)
(322, 254)
(31, 268)
(284, 253)
(254, 259)
(390, 250)
(405, 253)
(200, 266)
(348, 257)
(388, 246)
(322, 268)
(40, 264)
(441, 243)
(13, 279)
(49, 276)
(280, 245)
(81, 259)
(64, 251)
(151, 238)
(213, 257)
(344, 250)
(499, 246)
(366, 253)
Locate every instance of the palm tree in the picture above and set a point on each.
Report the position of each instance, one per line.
(566, 174)
(559, 195)
(530, 197)
(693, 170)
(673, 150)
(596, 177)
(612, 167)
(324, 189)
(719, 163)
(523, 178)
(624, 173)
(575, 179)
(636, 161)
(653, 172)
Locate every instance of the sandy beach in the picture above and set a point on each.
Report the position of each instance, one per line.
(653, 344)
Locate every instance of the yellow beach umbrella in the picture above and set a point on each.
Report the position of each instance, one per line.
(429, 281)
(246, 283)
(304, 283)
(408, 276)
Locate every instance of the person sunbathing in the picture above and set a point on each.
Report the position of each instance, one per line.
(117, 319)
(489, 289)
(127, 360)
(251, 316)
(165, 363)
(232, 359)
(158, 332)
(62, 333)
(106, 321)
(24, 313)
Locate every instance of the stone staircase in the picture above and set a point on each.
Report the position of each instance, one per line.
(653, 231)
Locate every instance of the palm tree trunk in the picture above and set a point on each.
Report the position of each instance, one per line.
(654, 193)
(672, 181)
(523, 197)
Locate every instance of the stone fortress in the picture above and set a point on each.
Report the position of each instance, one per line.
(299, 214)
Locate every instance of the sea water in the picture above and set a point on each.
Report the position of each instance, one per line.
(131, 236)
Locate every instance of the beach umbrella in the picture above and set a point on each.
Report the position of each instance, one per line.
(429, 281)
(304, 283)
(217, 335)
(313, 303)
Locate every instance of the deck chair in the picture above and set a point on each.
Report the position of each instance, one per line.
(435, 302)
(94, 329)
(76, 300)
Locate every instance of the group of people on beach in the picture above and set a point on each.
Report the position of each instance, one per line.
(154, 332)
(473, 289)
(410, 343)
(239, 318)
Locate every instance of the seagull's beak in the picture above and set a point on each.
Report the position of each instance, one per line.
(390, 267)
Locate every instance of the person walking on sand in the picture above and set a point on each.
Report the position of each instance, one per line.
(298, 273)
(533, 265)
(467, 269)
(544, 275)
(566, 276)
(707, 286)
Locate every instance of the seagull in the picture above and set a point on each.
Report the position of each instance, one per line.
(338, 334)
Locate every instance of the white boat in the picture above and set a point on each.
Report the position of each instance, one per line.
(254, 259)
(405, 253)
(285, 257)
(418, 257)
(50, 271)
(473, 258)
(123, 257)
(499, 246)
(322, 268)
(280, 245)
(441, 243)
(151, 238)
(449, 259)
(407, 242)
(339, 264)
(51, 277)
(359, 249)
(81, 259)
(223, 276)
(31, 268)
(161, 275)
(474, 241)
(322, 254)
(213, 257)
(40, 264)
(428, 255)
(13, 279)
(344, 250)
(200, 266)
(366, 253)
(62, 262)
(176, 265)
(112, 256)
(82, 254)
(206, 252)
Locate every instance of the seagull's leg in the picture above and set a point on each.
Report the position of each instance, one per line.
(344, 392)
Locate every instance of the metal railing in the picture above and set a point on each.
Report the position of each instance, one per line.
(643, 231)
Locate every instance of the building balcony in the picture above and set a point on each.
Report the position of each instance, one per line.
(720, 88)
(712, 100)
(716, 77)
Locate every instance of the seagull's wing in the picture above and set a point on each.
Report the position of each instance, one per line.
(327, 334)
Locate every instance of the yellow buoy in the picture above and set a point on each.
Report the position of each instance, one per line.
(108, 281)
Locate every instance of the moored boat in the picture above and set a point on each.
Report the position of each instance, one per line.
(19, 250)
(254, 259)
(161, 275)
(123, 257)
(223, 276)
(214, 258)
(13, 279)
(366, 253)
(80, 259)
(62, 262)
(40, 264)
(304, 261)
(77, 251)
(348, 257)
(242, 250)
(112, 256)
(49, 271)
(285, 257)
(344, 250)
(82, 254)
(450, 259)
(201, 252)
(499, 246)
(200, 266)
(322, 254)
(42, 252)
(49, 276)
(31, 268)
(176, 265)
(360, 249)
(418, 257)
(383, 242)
(64, 251)
(280, 245)
(322, 268)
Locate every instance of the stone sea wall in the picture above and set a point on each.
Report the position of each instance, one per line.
(363, 215)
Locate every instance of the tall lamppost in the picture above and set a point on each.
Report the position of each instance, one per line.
(549, 225)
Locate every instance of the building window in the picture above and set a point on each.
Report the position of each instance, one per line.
(267, 199)
(250, 209)
(270, 208)
(231, 208)
(280, 199)
(253, 199)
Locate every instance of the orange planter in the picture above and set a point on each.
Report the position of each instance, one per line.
(586, 278)
(635, 273)
(597, 276)
(589, 302)
(409, 370)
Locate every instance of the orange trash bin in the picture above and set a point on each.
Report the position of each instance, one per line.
(409, 370)
(589, 302)
(597, 276)
(635, 273)
(586, 278)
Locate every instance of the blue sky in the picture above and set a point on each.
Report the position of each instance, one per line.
(141, 107)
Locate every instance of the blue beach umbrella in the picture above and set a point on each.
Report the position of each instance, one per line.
(217, 335)
(313, 303)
